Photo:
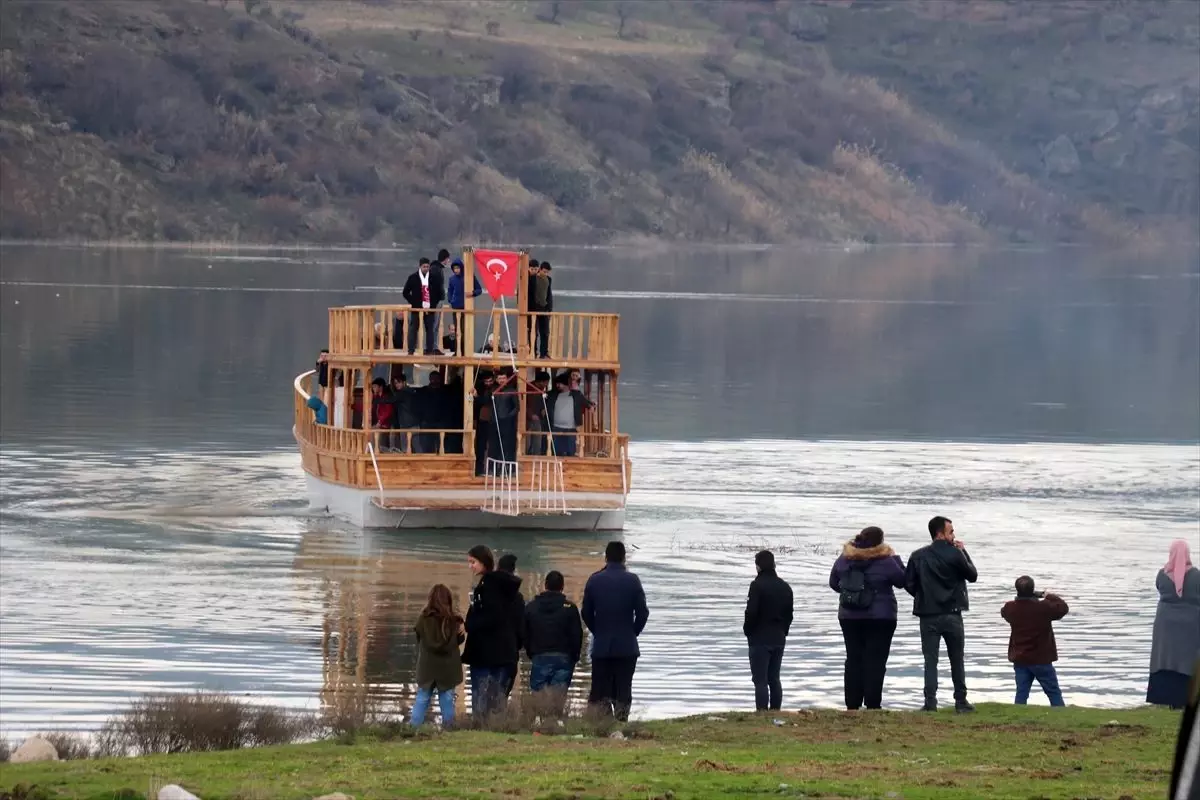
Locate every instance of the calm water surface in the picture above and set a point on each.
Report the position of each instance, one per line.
(155, 533)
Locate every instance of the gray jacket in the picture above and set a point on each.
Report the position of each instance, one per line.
(1176, 644)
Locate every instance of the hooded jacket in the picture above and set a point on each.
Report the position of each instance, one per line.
(492, 628)
(937, 577)
(438, 663)
(883, 572)
(455, 294)
(552, 625)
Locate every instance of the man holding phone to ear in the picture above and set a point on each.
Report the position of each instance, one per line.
(937, 577)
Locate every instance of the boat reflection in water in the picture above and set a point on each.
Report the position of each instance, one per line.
(371, 586)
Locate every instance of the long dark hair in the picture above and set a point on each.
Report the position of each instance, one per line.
(440, 606)
(483, 554)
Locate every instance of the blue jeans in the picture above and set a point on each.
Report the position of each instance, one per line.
(487, 690)
(421, 706)
(564, 444)
(1045, 675)
(550, 670)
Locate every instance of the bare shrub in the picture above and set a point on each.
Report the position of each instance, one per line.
(70, 746)
(456, 16)
(182, 723)
(550, 11)
(5, 751)
(493, 28)
(719, 54)
(548, 712)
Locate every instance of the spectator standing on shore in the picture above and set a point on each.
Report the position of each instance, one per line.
(1176, 643)
(937, 577)
(491, 639)
(553, 636)
(516, 609)
(439, 666)
(865, 577)
(767, 622)
(614, 610)
(1031, 646)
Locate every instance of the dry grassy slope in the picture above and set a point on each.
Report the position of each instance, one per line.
(338, 120)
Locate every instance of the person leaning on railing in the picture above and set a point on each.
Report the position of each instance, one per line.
(565, 407)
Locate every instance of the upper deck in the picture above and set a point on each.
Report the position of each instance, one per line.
(379, 333)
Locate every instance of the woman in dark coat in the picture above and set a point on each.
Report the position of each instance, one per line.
(865, 575)
(492, 637)
(1176, 643)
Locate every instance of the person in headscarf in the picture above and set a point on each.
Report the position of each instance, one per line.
(1176, 643)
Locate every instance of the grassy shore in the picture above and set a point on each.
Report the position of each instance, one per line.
(1001, 752)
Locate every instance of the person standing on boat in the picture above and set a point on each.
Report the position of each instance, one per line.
(536, 422)
(1176, 643)
(541, 302)
(506, 405)
(423, 290)
(382, 412)
(482, 410)
(406, 415)
(491, 636)
(508, 565)
(767, 622)
(865, 576)
(456, 296)
(937, 577)
(615, 611)
(565, 407)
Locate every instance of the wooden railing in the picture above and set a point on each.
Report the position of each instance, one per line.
(394, 330)
(400, 443)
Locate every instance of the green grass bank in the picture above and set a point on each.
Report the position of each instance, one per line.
(999, 752)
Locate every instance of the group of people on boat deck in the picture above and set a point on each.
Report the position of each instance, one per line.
(868, 572)
(435, 282)
(554, 411)
(499, 624)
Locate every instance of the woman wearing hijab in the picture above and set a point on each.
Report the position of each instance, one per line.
(1176, 643)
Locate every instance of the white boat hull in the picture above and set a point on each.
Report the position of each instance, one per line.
(409, 509)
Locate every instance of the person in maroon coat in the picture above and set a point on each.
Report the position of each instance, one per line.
(1031, 645)
(866, 575)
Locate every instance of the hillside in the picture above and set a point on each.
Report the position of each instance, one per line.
(731, 121)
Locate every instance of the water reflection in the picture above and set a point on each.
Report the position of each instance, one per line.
(373, 586)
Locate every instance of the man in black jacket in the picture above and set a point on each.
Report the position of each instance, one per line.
(424, 290)
(541, 302)
(553, 637)
(508, 564)
(937, 577)
(614, 610)
(768, 620)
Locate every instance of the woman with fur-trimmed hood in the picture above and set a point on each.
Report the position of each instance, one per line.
(865, 576)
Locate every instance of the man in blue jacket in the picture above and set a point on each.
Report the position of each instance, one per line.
(614, 610)
(457, 296)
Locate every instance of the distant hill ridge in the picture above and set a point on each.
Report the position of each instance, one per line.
(726, 121)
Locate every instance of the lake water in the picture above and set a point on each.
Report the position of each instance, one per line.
(155, 533)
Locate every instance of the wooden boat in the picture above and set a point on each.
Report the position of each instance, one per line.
(352, 469)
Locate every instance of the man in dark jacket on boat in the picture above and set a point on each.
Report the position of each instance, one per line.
(768, 620)
(553, 636)
(937, 577)
(424, 290)
(541, 302)
(614, 610)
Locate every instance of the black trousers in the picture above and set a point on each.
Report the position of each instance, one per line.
(765, 662)
(612, 685)
(868, 643)
(933, 631)
(483, 432)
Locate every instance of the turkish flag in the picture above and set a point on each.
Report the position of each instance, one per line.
(498, 271)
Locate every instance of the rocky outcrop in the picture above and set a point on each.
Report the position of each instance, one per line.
(35, 748)
(1061, 157)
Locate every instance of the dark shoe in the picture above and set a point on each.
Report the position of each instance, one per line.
(964, 708)
(929, 707)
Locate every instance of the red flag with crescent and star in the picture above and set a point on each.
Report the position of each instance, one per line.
(498, 271)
